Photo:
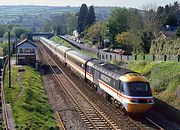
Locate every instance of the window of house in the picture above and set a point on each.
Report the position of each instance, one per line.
(26, 50)
(20, 50)
(32, 50)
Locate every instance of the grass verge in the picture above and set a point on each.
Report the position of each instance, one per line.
(28, 100)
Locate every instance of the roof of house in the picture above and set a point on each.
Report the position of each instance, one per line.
(26, 40)
(167, 34)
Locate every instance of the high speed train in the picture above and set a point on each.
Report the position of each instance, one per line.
(128, 89)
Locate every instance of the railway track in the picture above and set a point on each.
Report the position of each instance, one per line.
(94, 118)
(90, 114)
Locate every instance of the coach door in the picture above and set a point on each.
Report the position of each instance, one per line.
(96, 77)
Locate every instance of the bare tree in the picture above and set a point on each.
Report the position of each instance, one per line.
(151, 22)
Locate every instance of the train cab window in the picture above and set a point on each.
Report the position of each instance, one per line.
(121, 87)
(89, 69)
(138, 88)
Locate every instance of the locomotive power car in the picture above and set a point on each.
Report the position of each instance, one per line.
(129, 89)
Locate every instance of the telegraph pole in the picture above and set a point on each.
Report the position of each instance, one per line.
(16, 50)
(9, 59)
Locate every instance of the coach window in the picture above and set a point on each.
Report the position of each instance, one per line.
(114, 84)
(82, 65)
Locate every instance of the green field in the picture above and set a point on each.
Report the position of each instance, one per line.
(12, 13)
(28, 100)
(34, 10)
(164, 78)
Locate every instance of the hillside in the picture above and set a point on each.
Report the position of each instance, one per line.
(10, 14)
(164, 78)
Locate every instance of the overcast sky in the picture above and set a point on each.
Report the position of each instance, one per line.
(121, 3)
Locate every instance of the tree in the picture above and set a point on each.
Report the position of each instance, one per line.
(135, 21)
(167, 9)
(117, 22)
(91, 16)
(169, 15)
(160, 10)
(81, 18)
(96, 32)
(129, 41)
(59, 24)
(1, 51)
(12, 35)
(4, 45)
(47, 26)
(146, 41)
(23, 36)
(19, 30)
(178, 32)
(71, 23)
(123, 38)
(3, 29)
(151, 23)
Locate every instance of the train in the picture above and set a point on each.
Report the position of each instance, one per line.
(129, 90)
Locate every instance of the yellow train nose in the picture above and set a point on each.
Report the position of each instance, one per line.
(138, 108)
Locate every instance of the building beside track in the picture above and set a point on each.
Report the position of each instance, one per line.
(26, 53)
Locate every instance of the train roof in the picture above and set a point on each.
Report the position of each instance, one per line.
(63, 48)
(79, 55)
(110, 69)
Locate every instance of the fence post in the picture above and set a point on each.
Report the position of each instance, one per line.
(153, 57)
(97, 54)
(135, 57)
(165, 57)
(178, 58)
(121, 57)
(127, 57)
(143, 57)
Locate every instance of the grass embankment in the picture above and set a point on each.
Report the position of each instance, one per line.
(67, 44)
(165, 82)
(28, 100)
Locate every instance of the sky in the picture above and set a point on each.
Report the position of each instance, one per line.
(120, 3)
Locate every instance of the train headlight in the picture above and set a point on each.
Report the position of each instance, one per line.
(134, 100)
(150, 101)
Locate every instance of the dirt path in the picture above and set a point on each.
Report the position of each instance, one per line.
(19, 78)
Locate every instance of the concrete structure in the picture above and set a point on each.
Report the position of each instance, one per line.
(36, 35)
(26, 53)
